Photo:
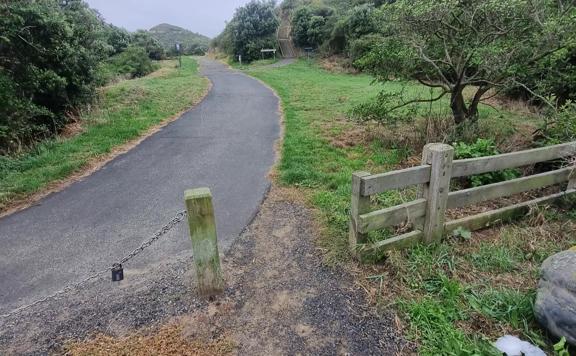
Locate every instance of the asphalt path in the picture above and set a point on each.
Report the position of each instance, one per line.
(225, 143)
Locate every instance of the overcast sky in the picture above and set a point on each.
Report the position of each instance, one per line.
(204, 16)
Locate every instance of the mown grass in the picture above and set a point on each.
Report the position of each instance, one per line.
(124, 111)
(457, 297)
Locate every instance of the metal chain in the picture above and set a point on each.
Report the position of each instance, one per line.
(169, 226)
(164, 230)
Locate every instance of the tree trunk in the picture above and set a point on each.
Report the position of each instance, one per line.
(472, 113)
(458, 106)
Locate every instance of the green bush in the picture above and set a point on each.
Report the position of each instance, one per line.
(561, 126)
(481, 148)
(133, 62)
(49, 53)
(252, 28)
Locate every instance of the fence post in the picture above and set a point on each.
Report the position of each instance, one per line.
(204, 240)
(572, 180)
(423, 190)
(360, 205)
(440, 157)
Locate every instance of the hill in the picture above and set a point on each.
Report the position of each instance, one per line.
(168, 35)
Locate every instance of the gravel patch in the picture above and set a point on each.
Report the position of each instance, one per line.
(280, 299)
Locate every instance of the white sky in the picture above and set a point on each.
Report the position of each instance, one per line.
(203, 16)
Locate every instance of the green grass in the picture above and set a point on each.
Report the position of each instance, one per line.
(251, 65)
(456, 297)
(124, 112)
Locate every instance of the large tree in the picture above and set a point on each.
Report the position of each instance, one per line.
(252, 28)
(451, 45)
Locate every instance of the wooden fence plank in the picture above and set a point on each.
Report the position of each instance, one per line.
(395, 243)
(489, 218)
(392, 216)
(467, 167)
(502, 189)
(379, 183)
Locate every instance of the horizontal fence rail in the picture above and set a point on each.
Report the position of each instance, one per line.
(427, 213)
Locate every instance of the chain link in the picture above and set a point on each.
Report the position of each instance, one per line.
(54, 296)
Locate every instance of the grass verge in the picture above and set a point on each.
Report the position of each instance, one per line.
(456, 297)
(125, 111)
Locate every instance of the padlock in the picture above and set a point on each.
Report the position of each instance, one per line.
(117, 272)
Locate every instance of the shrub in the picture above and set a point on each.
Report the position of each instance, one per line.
(481, 148)
(561, 126)
(134, 62)
(49, 52)
(252, 28)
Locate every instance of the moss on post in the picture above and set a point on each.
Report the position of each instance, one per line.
(204, 241)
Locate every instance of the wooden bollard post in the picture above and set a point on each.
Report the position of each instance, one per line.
(440, 157)
(204, 241)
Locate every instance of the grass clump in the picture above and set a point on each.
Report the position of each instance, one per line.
(124, 112)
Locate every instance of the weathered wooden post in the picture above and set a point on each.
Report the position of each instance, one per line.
(360, 205)
(572, 180)
(204, 241)
(440, 157)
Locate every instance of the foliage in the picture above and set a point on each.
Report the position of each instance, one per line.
(561, 126)
(191, 43)
(311, 26)
(482, 148)
(462, 233)
(134, 62)
(252, 28)
(561, 348)
(117, 38)
(152, 46)
(452, 45)
(553, 79)
(49, 52)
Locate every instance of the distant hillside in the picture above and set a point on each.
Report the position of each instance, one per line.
(169, 35)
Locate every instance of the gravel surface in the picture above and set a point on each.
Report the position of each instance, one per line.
(280, 299)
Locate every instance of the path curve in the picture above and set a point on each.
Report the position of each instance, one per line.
(225, 143)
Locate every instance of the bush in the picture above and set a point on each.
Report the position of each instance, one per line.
(561, 126)
(49, 53)
(134, 62)
(252, 28)
(312, 26)
(481, 148)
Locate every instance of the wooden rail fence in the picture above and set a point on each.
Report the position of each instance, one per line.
(428, 212)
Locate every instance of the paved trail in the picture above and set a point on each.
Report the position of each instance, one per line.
(225, 143)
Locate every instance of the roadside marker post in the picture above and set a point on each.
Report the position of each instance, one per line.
(204, 241)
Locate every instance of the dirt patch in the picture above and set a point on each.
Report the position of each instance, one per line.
(168, 340)
(337, 64)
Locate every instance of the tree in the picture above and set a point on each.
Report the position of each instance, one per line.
(49, 54)
(311, 26)
(152, 46)
(451, 45)
(252, 28)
